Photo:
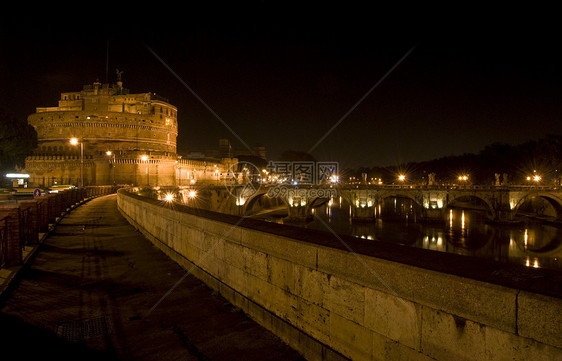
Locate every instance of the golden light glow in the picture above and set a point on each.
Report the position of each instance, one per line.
(463, 177)
(401, 177)
(192, 194)
(144, 158)
(74, 141)
(108, 152)
(169, 197)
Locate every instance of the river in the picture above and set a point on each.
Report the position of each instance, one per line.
(463, 231)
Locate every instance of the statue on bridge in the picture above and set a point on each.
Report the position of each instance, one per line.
(431, 180)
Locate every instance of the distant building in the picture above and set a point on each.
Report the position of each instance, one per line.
(126, 139)
(226, 150)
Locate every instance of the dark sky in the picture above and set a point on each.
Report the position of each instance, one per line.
(282, 80)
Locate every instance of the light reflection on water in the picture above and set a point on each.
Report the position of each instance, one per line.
(463, 232)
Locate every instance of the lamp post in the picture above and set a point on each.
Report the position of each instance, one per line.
(111, 154)
(75, 141)
(463, 179)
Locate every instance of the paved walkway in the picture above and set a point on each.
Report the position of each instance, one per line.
(89, 291)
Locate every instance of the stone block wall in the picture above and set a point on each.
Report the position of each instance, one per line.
(330, 302)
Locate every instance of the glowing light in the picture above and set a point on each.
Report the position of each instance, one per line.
(144, 158)
(108, 152)
(463, 177)
(334, 178)
(535, 177)
(17, 175)
(169, 197)
(74, 141)
(401, 177)
(192, 194)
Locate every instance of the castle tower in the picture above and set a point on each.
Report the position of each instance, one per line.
(127, 138)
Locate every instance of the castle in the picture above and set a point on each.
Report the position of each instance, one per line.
(105, 135)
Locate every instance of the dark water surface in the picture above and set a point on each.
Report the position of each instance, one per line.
(462, 231)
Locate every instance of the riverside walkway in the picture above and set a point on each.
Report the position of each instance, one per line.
(98, 289)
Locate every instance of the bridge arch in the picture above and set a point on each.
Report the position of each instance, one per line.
(455, 199)
(553, 200)
(417, 200)
(252, 200)
(298, 202)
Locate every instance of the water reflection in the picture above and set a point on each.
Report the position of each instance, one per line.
(463, 231)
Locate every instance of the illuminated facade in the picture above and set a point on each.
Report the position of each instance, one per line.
(119, 138)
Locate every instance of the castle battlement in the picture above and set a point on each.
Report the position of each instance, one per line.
(125, 138)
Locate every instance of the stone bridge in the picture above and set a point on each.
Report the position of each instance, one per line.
(501, 203)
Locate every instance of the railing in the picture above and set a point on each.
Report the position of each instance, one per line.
(450, 187)
(3, 241)
(21, 225)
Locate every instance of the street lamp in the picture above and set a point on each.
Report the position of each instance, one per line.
(535, 177)
(75, 141)
(144, 158)
(109, 154)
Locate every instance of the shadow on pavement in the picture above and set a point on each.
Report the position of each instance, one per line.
(31, 341)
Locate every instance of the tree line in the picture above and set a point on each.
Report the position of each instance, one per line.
(17, 140)
(542, 157)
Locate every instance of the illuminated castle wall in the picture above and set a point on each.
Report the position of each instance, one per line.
(139, 130)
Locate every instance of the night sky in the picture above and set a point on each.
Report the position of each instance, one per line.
(284, 80)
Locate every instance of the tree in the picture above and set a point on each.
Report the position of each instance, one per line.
(17, 140)
(295, 155)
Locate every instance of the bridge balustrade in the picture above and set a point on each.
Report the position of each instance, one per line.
(449, 186)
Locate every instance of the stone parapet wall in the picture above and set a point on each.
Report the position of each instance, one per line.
(336, 298)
